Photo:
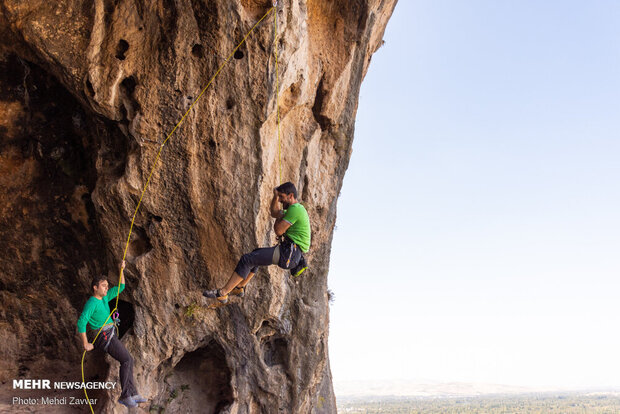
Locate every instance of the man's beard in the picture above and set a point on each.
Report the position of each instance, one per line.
(285, 205)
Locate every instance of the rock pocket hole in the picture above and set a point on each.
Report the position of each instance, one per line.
(123, 111)
(230, 103)
(129, 85)
(317, 108)
(128, 89)
(200, 382)
(275, 352)
(238, 55)
(198, 51)
(140, 243)
(89, 88)
(121, 49)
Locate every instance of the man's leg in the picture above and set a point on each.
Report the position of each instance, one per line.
(118, 351)
(247, 279)
(247, 266)
(230, 285)
(239, 290)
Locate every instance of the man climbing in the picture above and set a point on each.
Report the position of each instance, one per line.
(96, 313)
(292, 226)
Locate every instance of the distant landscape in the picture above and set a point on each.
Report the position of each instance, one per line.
(396, 397)
(525, 403)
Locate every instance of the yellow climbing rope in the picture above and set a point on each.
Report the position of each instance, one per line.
(275, 42)
(161, 147)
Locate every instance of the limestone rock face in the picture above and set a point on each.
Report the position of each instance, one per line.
(88, 92)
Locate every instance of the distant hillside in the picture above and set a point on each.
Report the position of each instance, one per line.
(410, 388)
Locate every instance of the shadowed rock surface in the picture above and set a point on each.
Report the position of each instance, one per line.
(88, 92)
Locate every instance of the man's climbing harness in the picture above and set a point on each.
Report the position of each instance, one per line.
(107, 336)
(290, 252)
(287, 249)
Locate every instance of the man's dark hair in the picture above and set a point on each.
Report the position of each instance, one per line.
(97, 279)
(287, 188)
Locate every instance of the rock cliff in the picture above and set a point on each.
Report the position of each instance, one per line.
(88, 92)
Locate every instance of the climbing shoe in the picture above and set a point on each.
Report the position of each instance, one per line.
(215, 293)
(301, 267)
(128, 402)
(138, 399)
(238, 291)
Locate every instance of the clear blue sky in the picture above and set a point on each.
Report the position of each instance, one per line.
(478, 230)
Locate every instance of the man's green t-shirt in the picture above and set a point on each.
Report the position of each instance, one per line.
(299, 232)
(96, 311)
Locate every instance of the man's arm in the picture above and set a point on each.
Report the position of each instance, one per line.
(274, 208)
(281, 226)
(116, 290)
(287, 220)
(82, 324)
(87, 345)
